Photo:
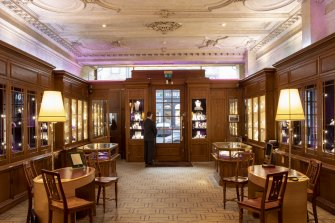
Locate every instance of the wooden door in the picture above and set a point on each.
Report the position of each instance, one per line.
(169, 112)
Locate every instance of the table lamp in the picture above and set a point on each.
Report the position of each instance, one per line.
(52, 110)
(289, 109)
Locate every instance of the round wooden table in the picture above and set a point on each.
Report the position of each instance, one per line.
(295, 198)
(72, 179)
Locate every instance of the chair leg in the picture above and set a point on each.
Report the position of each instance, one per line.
(50, 216)
(262, 217)
(90, 215)
(242, 192)
(224, 194)
(315, 213)
(30, 206)
(237, 193)
(98, 195)
(104, 197)
(240, 216)
(73, 217)
(65, 217)
(115, 194)
(280, 215)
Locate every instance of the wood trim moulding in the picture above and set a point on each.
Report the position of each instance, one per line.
(310, 51)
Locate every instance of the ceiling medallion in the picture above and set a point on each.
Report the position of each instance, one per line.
(164, 27)
(164, 13)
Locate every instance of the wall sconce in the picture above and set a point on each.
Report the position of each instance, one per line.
(168, 77)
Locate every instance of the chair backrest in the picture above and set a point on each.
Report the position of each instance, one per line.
(92, 161)
(313, 173)
(30, 174)
(275, 187)
(244, 160)
(53, 187)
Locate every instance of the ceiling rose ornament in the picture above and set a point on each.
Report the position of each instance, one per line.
(164, 27)
(101, 3)
(164, 13)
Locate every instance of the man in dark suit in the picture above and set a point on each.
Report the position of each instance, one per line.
(150, 132)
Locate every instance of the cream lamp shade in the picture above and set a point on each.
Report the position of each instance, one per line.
(52, 107)
(289, 106)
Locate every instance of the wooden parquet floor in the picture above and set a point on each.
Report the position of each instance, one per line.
(162, 195)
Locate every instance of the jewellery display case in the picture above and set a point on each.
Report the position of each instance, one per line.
(233, 117)
(99, 114)
(328, 117)
(17, 119)
(31, 119)
(199, 119)
(136, 107)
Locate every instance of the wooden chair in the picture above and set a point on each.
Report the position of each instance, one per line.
(313, 173)
(100, 181)
(59, 202)
(244, 160)
(30, 174)
(272, 198)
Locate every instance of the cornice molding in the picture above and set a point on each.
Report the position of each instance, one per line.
(279, 30)
(16, 8)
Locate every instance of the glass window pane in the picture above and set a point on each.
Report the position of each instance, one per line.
(74, 120)
(80, 120)
(311, 119)
(85, 120)
(31, 116)
(3, 130)
(17, 119)
(255, 118)
(168, 116)
(67, 121)
(328, 117)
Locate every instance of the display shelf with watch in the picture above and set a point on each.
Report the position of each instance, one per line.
(199, 119)
(136, 107)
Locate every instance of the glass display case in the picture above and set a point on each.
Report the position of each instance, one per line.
(255, 109)
(99, 117)
(74, 117)
(3, 119)
(136, 107)
(67, 121)
(328, 117)
(44, 134)
(199, 119)
(17, 119)
(85, 120)
(80, 120)
(228, 150)
(31, 119)
(233, 117)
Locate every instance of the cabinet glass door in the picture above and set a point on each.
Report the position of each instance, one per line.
(328, 117)
(80, 120)
(74, 120)
(85, 120)
(17, 119)
(262, 118)
(67, 121)
(3, 130)
(31, 122)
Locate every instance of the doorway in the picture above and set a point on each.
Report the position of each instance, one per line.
(168, 107)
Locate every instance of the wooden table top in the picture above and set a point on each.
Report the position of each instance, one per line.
(98, 146)
(69, 173)
(261, 172)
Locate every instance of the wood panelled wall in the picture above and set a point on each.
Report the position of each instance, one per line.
(311, 66)
(18, 69)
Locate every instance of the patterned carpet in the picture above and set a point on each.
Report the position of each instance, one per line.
(162, 195)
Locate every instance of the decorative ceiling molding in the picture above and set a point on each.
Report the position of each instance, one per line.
(186, 54)
(164, 27)
(255, 5)
(16, 8)
(223, 3)
(164, 13)
(211, 42)
(101, 3)
(276, 32)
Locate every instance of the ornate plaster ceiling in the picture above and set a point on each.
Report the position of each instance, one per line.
(158, 31)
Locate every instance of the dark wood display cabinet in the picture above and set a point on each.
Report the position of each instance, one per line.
(23, 78)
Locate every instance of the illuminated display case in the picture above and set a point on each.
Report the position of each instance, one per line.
(199, 119)
(136, 107)
(233, 117)
(99, 118)
(255, 110)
